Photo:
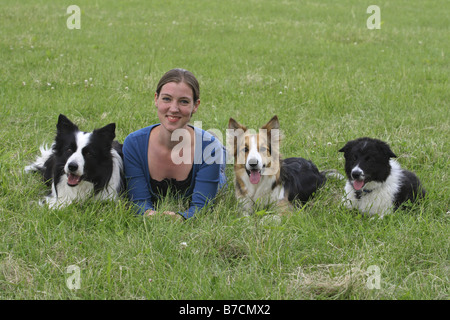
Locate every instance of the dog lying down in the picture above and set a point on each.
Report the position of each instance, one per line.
(81, 164)
(376, 184)
(261, 176)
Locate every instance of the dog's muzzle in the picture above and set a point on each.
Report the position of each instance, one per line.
(358, 178)
(254, 171)
(73, 177)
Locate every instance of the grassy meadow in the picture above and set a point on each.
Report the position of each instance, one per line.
(315, 64)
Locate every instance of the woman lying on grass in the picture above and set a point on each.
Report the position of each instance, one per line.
(173, 155)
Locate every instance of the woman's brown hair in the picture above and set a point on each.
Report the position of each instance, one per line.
(179, 75)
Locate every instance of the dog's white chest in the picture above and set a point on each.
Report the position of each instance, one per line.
(262, 193)
(377, 197)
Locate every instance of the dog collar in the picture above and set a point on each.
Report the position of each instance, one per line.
(359, 193)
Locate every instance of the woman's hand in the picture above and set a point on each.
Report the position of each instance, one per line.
(175, 216)
(150, 212)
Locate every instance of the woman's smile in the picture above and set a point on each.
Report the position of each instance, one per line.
(173, 119)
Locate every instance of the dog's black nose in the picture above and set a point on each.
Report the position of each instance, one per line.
(253, 162)
(356, 174)
(73, 167)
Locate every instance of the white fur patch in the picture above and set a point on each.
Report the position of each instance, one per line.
(253, 155)
(380, 199)
(40, 161)
(82, 140)
(114, 185)
(62, 194)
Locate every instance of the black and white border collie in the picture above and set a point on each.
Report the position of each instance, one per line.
(81, 164)
(261, 176)
(376, 183)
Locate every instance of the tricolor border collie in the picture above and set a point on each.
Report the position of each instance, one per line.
(261, 176)
(81, 164)
(376, 183)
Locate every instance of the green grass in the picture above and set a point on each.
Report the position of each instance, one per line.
(314, 64)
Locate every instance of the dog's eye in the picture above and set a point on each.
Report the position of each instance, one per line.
(245, 149)
(69, 150)
(262, 149)
(88, 153)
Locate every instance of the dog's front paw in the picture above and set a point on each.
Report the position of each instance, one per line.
(30, 168)
(271, 220)
(42, 202)
(284, 207)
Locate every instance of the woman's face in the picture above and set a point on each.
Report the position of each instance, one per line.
(175, 104)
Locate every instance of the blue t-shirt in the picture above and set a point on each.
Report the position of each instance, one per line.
(208, 171)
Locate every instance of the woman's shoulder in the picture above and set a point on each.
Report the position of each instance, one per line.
(206, 137)
(139, 135)
(206, 152)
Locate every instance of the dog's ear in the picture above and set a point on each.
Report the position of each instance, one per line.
(272, 124)
(384, 147)
(347, 146)
(274, 135)
(65, 125)
(234, 136)
(233, 124)
(108, 132)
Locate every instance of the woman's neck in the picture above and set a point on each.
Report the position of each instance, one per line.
(164, 137)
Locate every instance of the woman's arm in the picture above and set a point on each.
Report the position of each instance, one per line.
(134, 153)
(210, 176)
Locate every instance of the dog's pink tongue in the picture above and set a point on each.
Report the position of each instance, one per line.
(357, 184)
(73, 180)
(255, 176)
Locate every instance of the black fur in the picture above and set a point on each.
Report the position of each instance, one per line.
(97, 153)
(97, 157)
(411, 189)
(300, 178)
(373, 156)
